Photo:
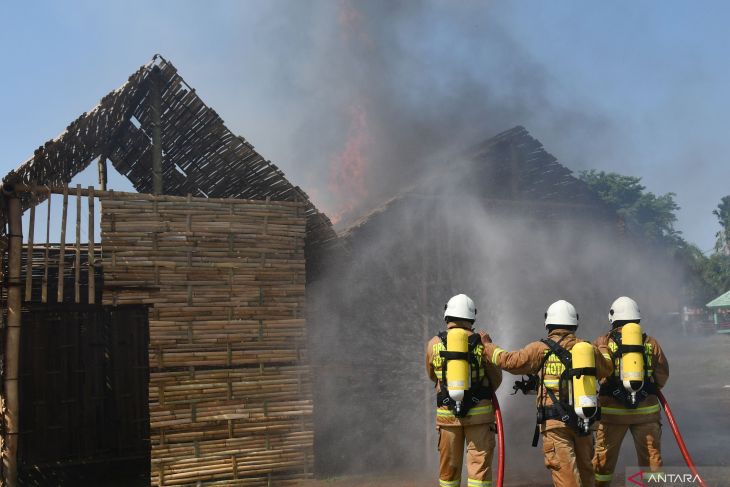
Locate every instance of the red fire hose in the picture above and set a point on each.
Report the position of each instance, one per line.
(678, 437)
(500, 440)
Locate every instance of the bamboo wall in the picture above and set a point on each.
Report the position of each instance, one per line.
(230, 388)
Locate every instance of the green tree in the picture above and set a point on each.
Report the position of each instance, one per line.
(722, 212)
(651, 215)
(716, 273)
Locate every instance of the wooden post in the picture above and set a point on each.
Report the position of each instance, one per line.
(156, 109)
(29, 257)
(62, 246)
(12, 342)
(102, 172)
(77, 263)
(92, 274)
(44, 289)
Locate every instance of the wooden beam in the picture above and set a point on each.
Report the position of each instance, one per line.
(44, 289)
(29, 257)
(24, 188)
(102, 172)
(77, 248)
(12, 342)
(92, 275)
(62, 246)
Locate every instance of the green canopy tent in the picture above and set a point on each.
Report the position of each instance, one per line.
(720, 304)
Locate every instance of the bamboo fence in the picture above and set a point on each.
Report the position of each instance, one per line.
(230, 389)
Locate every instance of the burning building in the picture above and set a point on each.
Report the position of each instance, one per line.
(505, 223)
(177, 344)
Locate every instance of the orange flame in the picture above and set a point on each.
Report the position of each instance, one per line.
(351, 21)
(347, 175)
(349, 167)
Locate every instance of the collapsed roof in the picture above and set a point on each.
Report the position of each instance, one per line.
(201, 156)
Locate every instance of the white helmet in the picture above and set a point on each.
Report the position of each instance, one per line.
(561, 313)
(461, 306)
(624, 309)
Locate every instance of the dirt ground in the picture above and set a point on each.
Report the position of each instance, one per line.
(390, 482)
(364, 482)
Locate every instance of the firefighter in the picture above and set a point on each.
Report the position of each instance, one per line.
(624, 409)
(566, 438)
(473, 421)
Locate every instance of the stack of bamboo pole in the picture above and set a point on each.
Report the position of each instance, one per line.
(230, 387)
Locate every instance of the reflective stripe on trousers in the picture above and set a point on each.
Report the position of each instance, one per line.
(479, 483)
(604, 477)
(470, 483)
(630, 412)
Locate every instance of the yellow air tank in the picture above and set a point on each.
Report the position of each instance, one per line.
(632, 363)
(458, 376)
(585, 398)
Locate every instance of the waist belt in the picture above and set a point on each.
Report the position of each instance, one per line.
(618, 391)
(473, 396)
(560, 413)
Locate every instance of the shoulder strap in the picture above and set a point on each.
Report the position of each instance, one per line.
(558, 351)
(622, 349)
(616, 338)
(647, 360)
(458, 355)
(553, 347)
(474, 341)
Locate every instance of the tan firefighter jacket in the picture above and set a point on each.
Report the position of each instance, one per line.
(482, 412)
(613, 410)
(529, 359)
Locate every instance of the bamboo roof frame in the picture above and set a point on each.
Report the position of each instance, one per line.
(531, 179)
(201, 156)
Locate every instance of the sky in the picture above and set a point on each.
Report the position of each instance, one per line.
(351, 99)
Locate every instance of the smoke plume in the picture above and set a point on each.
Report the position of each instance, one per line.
(393, 88)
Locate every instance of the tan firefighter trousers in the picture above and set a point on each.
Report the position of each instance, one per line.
(480, 444)
(568, 457)
(647, 439)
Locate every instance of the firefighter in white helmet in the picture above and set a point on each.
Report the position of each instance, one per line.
(629, 403)
(464, 412)
(566, 438)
